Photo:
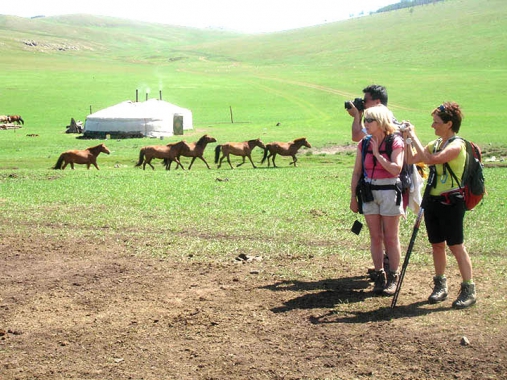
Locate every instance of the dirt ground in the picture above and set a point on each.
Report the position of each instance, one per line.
(94, 310)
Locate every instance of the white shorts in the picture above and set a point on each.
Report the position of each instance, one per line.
(384, 201)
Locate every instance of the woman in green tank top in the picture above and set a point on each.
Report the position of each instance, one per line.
(444, 211)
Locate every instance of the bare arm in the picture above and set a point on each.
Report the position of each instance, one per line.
(422, 154)
(357, 125)
(357, 129)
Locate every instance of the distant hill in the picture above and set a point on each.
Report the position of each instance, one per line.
(469, 32)
(90, 35)
(407, 4)
(452, 33)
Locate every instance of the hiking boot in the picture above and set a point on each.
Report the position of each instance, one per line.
(466, 296)
(439, 293)
(380, 282)
(392, 283)
(372, 274)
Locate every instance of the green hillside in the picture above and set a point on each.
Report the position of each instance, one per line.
(99, 36)
(55, 68)
(454, 34)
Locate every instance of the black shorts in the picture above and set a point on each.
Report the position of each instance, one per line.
(444, 222)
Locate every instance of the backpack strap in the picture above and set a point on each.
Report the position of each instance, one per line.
(364, 147)
(448, 167)
(436, 148)
(389, 145)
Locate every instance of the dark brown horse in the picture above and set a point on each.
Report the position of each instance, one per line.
(169, 152)
(242, 149)
(16, 118)
(87, 156)
(194, 150)
(284, 149)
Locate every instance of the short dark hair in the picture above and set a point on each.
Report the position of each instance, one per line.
(450, 111)
(377, 92)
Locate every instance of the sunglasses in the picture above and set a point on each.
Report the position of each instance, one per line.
(441, 108)
(369, 120)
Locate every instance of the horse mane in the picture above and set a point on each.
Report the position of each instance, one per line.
(300, 139)
(177, 143)
(200, 142)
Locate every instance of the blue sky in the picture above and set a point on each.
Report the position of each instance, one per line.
(249, 16)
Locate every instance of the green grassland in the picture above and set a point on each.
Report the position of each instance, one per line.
(454, 50)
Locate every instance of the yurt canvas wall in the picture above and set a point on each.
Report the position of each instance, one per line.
(152, 118)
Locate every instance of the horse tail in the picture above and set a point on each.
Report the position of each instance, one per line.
(22, 121)
(266, 150)
(58, 164)
(141, 157)
(217, 153)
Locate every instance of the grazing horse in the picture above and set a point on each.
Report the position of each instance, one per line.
(168, 152)
(16, 118)
(243, 149)
(284, 149)
(194, 150)
(4, 119)
(87, 156)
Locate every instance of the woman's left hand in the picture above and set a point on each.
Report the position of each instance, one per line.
(354, 207)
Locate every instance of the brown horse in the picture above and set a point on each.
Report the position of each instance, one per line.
(243, 149)
(87, 156)
(16, 118)
(194, 150)
(284, 149)
(169, 152)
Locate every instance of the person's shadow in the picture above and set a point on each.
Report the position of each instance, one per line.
(333, 292)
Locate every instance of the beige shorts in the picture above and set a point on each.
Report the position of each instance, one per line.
(384, 201)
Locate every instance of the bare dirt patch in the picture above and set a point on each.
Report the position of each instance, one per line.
(334, 149)
(93, 310)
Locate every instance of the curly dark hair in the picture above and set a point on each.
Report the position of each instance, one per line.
(450, 111)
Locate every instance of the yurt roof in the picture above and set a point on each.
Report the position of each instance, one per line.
(152, 108)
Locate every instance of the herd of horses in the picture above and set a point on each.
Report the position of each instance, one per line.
(173, 151)
(12, 119)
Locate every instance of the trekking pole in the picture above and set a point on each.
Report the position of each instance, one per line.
(417, 224)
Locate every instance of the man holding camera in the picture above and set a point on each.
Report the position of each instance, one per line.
(373, 96)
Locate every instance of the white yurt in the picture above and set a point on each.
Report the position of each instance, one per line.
(151, 118)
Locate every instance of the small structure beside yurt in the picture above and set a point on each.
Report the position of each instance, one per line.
(151, 118)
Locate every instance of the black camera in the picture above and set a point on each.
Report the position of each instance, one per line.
(364, 191)
(357, 102)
